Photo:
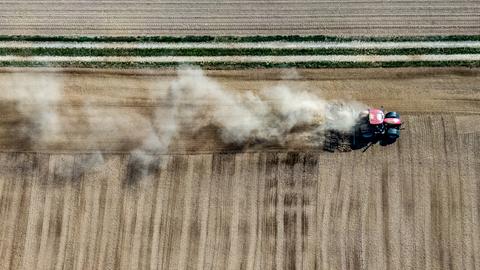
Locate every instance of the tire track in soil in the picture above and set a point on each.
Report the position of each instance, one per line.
(413, 204)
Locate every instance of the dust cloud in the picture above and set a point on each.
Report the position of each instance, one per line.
(274, 116)
(278, 115)
(36, 103)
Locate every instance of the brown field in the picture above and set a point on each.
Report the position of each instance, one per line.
(411, 205)
(246, 17)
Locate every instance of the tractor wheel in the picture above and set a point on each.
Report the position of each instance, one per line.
(367, 135)
(392, 115)
(393, 133)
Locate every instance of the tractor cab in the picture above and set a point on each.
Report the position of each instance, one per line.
(375, 119)
(377, 124)
(375, 116)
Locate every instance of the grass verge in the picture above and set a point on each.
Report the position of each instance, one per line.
(227, 52)
(291, 38)
(250, 65)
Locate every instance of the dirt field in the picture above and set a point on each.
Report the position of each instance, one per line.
(411, 205)
(246, 17)
(126, 100)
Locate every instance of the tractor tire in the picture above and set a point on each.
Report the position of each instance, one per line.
(393, 133)
(392, 115)
(367, 135)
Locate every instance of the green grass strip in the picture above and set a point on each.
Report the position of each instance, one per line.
(227, 52)
(249, 65)
(291, 38)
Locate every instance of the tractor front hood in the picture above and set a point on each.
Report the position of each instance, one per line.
(392, 121)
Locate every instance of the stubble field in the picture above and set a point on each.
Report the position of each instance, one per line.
(411, 205)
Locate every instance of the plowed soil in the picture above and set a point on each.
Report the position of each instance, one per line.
(245, 17)
(411, 205)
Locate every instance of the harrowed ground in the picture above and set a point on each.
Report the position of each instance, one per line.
(411, 205)
(243, 17)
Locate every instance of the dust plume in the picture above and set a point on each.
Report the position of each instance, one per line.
(36, 102)
(290, 74)
(279, 115)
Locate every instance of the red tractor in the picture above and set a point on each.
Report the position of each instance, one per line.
(375, 125)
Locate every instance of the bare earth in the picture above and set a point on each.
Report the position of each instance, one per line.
(411, 205)
(244, 17)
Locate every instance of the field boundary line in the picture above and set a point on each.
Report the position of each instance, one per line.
(238, 65)
(243, 45)
(248, 58)
(206, 38)
(242, 52)
(219, 52)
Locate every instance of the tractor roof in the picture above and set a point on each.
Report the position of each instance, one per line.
(375, 116)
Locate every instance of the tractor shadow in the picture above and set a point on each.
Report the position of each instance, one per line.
(359, 143)
(352, 141)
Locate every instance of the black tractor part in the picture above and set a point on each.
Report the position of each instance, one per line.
(379, 129)
(367, 135)
(365, 131)
(393, 133)
(392, 115)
